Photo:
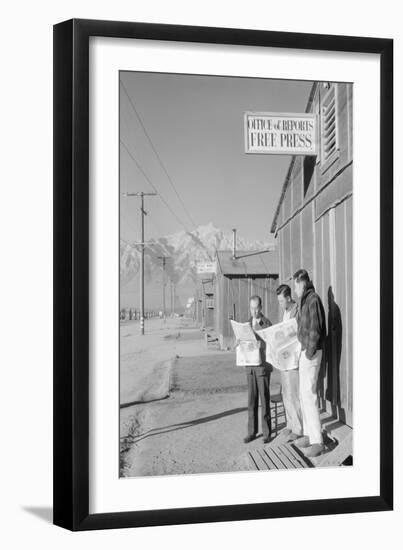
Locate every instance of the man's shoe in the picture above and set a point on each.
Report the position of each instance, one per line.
(292, 436)
(314, 450)
(286, 431)
(302, 442)
(267, 439)
(249, 438)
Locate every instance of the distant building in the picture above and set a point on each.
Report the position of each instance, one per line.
(313, 227)
(236, 281)
(204, 302)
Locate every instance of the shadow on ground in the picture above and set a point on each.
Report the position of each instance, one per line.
(189, 424)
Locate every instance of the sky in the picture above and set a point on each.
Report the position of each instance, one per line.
(195, 125)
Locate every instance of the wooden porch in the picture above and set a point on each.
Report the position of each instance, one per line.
(280, 454)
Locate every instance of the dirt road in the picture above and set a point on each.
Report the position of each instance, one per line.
(200, 426)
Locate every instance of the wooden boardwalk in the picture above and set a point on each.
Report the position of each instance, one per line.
(280, 454)
(279, 457)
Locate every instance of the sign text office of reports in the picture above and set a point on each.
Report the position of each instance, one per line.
(280, 133)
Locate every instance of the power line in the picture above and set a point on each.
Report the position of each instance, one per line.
(152, 185)
(157, 155)
(159, 194)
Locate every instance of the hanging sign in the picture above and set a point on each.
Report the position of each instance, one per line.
(206, 267)
(281, 133)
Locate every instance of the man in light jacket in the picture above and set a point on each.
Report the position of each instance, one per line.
(311, 334)
(290, 378)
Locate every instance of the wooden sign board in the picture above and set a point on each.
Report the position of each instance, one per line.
(281, 133)
(206, 267)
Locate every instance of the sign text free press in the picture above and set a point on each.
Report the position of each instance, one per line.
(281, 133)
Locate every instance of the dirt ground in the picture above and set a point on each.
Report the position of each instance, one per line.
(200, 424)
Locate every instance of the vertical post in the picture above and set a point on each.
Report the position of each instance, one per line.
(164, 259)
(142, 267)
(142, 247)
(234, 244)
(163, 288)
(173, 297)
(197, 303)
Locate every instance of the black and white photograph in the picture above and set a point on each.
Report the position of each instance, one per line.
(236, 270)
(201, 282)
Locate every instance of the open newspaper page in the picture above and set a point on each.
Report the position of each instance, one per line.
(248, 348)
(282, 345)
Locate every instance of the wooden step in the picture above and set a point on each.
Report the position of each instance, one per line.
(280, 454)
(279, 457)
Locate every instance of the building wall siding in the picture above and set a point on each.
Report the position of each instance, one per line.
(233, 294)
(315, 233)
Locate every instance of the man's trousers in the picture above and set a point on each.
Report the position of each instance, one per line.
(258, 385)
(308, 381)
(291, 400)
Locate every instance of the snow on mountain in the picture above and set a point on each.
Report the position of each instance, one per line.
(183, 250)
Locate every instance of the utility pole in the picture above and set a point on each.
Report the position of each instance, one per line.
(172, 298)
(234, 244)
(142, 244)
(164, 259)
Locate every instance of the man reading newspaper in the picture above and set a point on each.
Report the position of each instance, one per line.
(290, 377)
(258, 376)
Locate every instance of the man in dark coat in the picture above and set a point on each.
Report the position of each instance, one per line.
(258, 378)
(311, 335)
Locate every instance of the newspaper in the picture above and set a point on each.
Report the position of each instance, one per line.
(282, 346)
(243, 331)
(248, 348)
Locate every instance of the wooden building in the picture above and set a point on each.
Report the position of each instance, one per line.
(236, 281)
(204, 301)
(313, 227)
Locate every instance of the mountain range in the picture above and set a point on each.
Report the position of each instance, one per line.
(182, 251)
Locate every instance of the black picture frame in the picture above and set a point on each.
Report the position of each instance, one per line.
(71, 273)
